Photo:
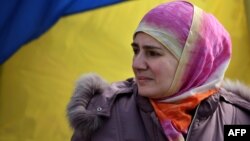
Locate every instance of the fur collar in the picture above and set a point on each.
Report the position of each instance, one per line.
(81, 120)
(238, 88)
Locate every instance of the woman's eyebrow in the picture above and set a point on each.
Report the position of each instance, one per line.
(150, 47)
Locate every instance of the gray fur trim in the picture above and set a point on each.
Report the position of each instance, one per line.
(237, 87)
(82, 120)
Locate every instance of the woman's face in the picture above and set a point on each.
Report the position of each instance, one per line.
(153, 65)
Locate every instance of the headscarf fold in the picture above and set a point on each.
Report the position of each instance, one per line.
(203, 48)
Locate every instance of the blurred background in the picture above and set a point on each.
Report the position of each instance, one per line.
(46, 45)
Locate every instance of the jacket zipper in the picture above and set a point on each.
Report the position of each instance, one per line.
(191, 125)
(155, 131)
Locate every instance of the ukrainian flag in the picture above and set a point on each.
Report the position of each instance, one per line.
(46, 45)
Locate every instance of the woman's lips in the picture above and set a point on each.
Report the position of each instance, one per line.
(142, 79)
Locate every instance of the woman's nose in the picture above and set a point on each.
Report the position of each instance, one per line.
(139, 62)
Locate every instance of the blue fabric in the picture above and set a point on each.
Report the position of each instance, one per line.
(84, 5)
(24, 20)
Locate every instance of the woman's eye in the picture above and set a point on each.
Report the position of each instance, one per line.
(153, 53)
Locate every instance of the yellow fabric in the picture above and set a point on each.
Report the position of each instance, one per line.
(37, 81)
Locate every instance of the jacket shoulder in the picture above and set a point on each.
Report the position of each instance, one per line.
(231, 105)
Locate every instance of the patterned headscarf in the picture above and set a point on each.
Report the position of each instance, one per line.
(203, 48)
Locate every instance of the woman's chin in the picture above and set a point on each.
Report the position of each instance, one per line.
(147, 94)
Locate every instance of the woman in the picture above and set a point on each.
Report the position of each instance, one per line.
(180, 56)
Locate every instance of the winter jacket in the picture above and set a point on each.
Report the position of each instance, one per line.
(101, 112)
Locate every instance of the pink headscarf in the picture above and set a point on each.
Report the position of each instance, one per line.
(198, 41)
